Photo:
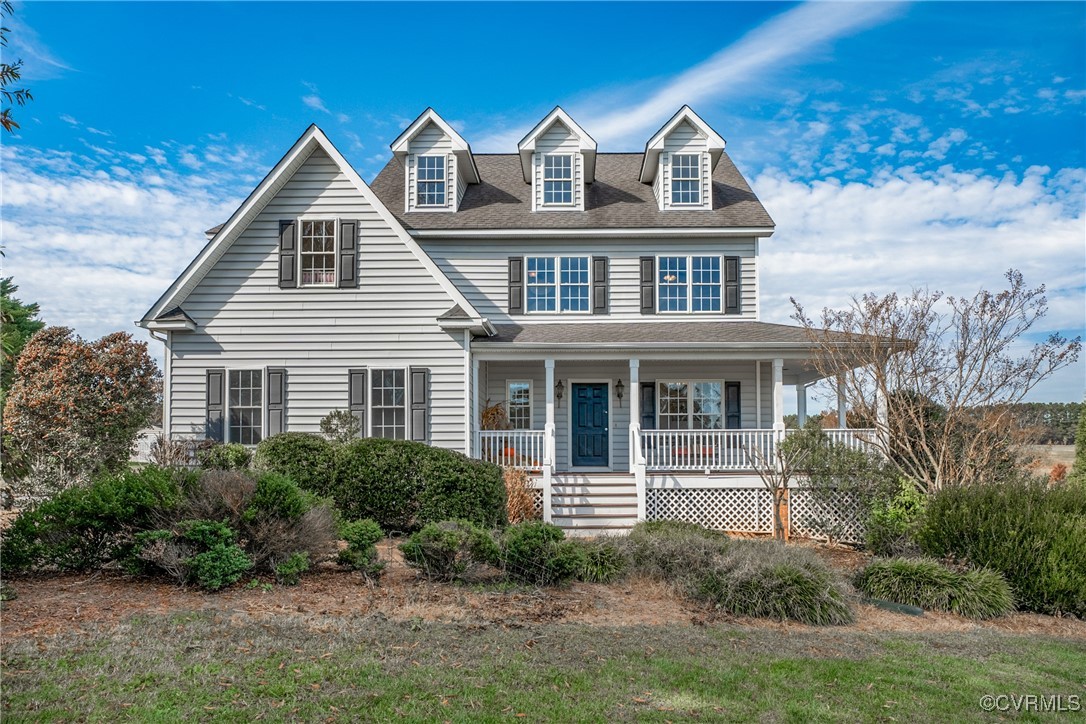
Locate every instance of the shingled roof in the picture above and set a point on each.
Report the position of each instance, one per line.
(710, 334)
(617, 199)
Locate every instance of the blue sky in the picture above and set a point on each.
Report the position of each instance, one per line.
(895, 144)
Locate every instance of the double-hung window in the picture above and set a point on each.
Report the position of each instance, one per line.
(567, 290)
(685, 178)
(318, 253)
(388, 407)
(689, 283)
(693, 405)
(430, 180)
(246, 398)
(557, 180)
(520, 405)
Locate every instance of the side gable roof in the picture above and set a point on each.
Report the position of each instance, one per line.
(311, 140)
(587, 144)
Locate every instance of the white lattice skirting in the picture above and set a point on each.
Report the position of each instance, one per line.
(750, 510)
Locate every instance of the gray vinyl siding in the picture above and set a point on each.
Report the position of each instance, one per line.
(432, 141)
(480, 270)
(496, 375)
(558, 139)
(244, 321)
(684, 139)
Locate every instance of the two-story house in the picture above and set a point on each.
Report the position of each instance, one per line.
(608, 300)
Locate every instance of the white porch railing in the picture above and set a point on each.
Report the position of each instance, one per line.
(513, 448)
(725, 450)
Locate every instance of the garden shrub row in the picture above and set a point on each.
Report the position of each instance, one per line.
(928, 584)
(1032, 533)
(402, 485)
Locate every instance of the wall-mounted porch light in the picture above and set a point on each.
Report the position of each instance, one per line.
(619, 390)
(559, 390)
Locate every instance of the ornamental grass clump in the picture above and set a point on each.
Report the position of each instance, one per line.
(932, 586)
(666, 549)
(766, 579)
(604, 561)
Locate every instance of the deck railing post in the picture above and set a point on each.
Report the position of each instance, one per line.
(637, 455)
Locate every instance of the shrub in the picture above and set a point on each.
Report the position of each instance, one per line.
(932, 586)
(290, 571)
(766, 579)
(221, 561)
(361, 552)
(231, 456)
(341, 426)
(278, 496)
(892, 524)
(537, 553)
(446, 551)
(455, 487)
(604, 561)
(306, 459)
(1031, 533)
(666, 549)
(85, 527)
(519, 496)
(379, 479)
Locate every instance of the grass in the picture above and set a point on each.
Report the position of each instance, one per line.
(930, 585)
(218, 668)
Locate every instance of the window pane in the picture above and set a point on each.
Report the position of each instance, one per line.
(705, 277)
(685, 183)
(245, 395)
(541, 284)
(318, 257)
(389, 414)
(520, 405)
(706, 406)
(557, 179)
(672, 284)
(672, 405)
(574, 276)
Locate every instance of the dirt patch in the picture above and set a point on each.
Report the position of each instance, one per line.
(59, 603)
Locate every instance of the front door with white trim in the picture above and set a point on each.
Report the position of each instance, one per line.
(590, 428)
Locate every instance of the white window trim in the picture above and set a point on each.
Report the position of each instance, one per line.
(671, 180)
(335, 250)
(558, 285)
(263, 370)
(531, 401)
(690, 401)
(444, 179)
(689, 285)
(572, 182)
(406, 398)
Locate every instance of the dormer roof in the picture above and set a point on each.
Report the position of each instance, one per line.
(461, 148)
(655, 145)
(587, 144)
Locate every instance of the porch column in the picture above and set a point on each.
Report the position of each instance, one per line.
(475, 422)
(635, 393)
(758, 395)
(801, 405)
(548, 439)
(636, 464)
(842, 417)
(778, 394)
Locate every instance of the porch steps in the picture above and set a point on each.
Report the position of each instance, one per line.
(594, 504)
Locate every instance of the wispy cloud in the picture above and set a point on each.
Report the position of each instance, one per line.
(39, 62)
(315, 102)
(787, 38)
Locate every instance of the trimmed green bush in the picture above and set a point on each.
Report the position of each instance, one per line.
(306, 459)
(604, 561)
(892, 524)
(1032, 533)
(930, 585)
(402, 485)
(446, 551)
(766, 579)
(221, 562)
(279, 496)
(290, 571)
(666, 549)
(231, 456)
(361, 552)
(84, 527)
(537, 553)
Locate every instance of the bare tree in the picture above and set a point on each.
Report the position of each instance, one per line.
(778, 465)
(943, 369)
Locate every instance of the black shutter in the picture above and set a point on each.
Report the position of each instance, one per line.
(599, 285)
(348, 255)
(733, 419)
(420, 404)
(356, 396)
(216, 405)
(731, 285)
(648, 405)
(648, 285)
(516, 285)
(288, 254)
(277, 399)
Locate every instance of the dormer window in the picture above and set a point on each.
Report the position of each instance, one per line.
(557, 180)
(685, 179)
(431, 181)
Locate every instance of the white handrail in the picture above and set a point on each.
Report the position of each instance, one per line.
(525, 449)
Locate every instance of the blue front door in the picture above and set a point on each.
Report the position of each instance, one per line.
(589, 412)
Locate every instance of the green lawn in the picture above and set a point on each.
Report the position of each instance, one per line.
(213, 668)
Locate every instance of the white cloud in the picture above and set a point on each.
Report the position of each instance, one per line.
(315, 102)
(68, 119)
